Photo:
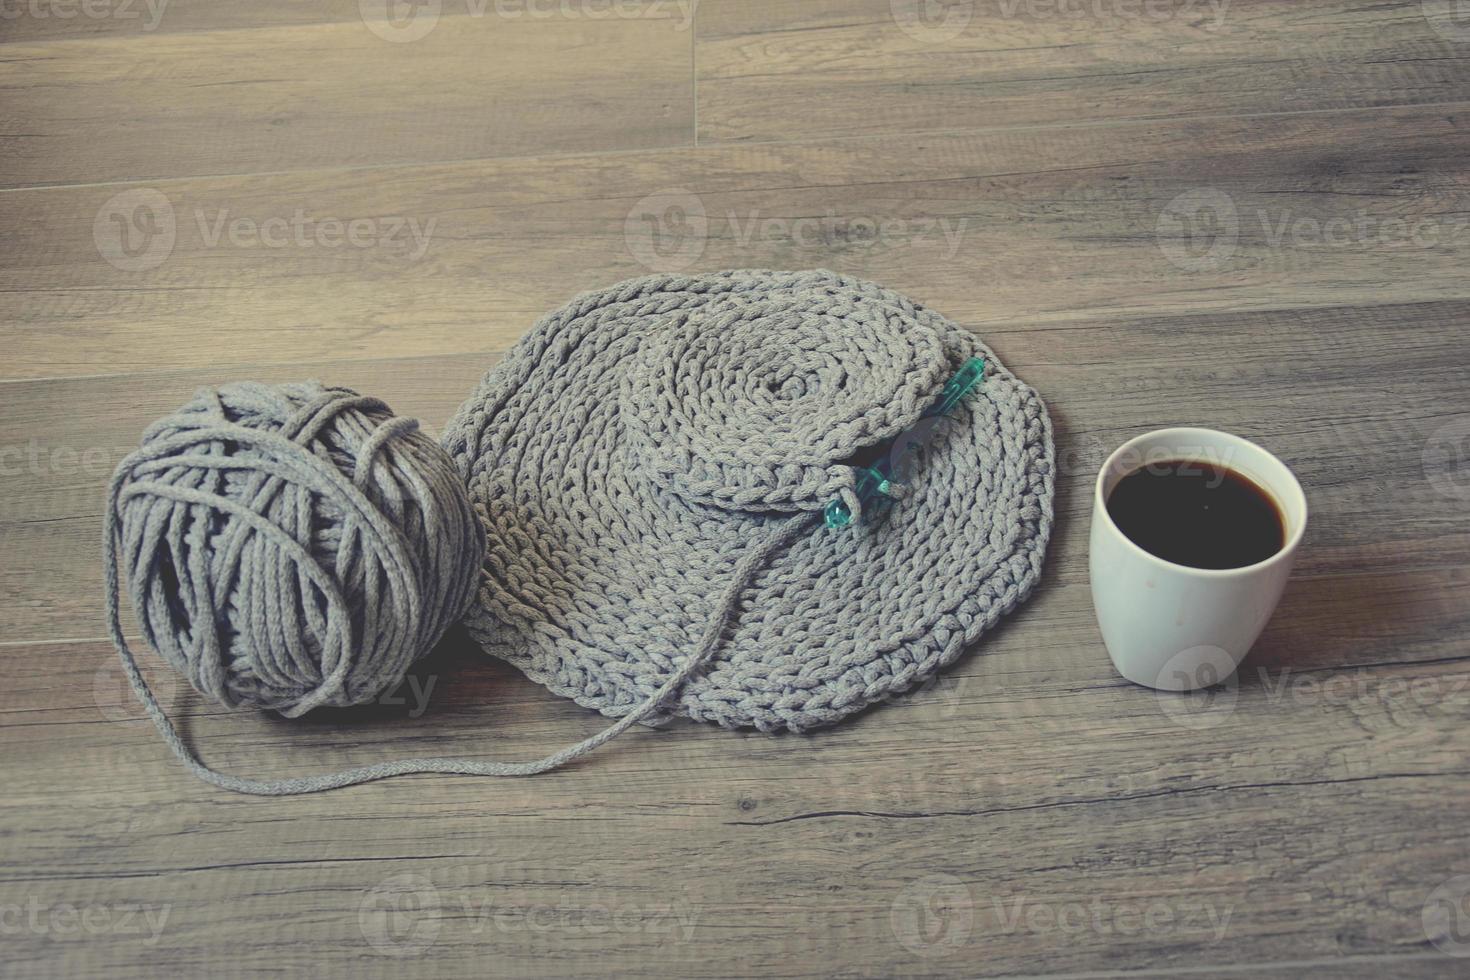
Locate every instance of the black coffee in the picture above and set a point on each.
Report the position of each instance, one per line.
(1197, 514)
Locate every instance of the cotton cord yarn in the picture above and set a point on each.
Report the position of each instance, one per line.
(635, 448)
(286, 548)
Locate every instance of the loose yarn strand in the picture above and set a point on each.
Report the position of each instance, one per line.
(709, 642)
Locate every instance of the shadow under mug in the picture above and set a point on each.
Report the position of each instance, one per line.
(1170, 626)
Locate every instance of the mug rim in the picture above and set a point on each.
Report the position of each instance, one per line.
(1287, 549)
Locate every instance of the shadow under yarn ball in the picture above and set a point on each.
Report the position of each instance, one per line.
(288, 547)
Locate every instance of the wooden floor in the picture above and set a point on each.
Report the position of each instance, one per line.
(1247, 214)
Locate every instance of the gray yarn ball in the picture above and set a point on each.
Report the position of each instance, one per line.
(288, 547)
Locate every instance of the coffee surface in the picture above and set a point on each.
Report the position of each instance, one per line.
(1197, 514)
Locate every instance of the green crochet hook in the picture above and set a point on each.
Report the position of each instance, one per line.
(874, 480)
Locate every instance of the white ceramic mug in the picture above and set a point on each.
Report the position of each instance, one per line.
(1170, 626)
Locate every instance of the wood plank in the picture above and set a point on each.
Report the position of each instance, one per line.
(1293, 380)
(49, 20)
(54, 20)
(1109, 223)
(1259, 830)
(816, 69)
(337, 95)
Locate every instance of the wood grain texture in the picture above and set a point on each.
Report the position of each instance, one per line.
(778, 70)
(338, 95)
(33, 20)
(1375, 504)
(1113, 222)
(48, 20)
(1029, 778)
(1252, 216)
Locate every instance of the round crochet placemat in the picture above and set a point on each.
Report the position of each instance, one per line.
(631, 449)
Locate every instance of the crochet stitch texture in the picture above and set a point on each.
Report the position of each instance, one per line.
(638, 443)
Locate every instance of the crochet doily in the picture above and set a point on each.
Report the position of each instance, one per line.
(639, 442)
